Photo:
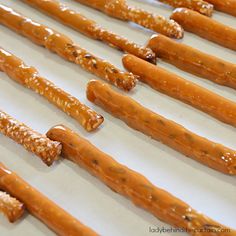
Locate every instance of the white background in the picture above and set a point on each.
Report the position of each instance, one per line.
(73, 188)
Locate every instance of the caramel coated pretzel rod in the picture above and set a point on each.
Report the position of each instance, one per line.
(39, 144)
(41, 207)
(166, 131)
(131, 184)
(120, 10)
(227, 6)
(29, 77)
(194, 61)
(65, 47)
(11, 207)
(90, 28)
(201, 6)
(205, 27)
(183, 90)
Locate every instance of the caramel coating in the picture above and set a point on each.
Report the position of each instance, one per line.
(119, 9)
(203, 7)
(47, 150)
(65, 47)
(194, 61)
(205, 27)
(132, 185)
(166, 131)
(29, 77)
(90, 28)
(11, 207)
(183, 90)
(61, 222)
(227, 6)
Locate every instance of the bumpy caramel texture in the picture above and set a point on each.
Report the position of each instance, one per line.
(119, 9)
(183, 90)
(132, 185)
(194, 61)
(197, 5)
(227, 6)
(11, 207)
(61, 222)
(29, 77)
(205, 27)
(65, 47)
(39, 144)
(168, 132)
(90, 28)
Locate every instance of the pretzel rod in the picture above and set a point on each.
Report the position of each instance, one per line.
(131, 184)
(39, 144)
(166, 131)
(90, 28)
(203, 7)
(30, 78)
(11, 207)
(64, 47)
(119, 9)
(183, 90)
(194, 61)
(205, 27)
(41, 207)
(228, 6)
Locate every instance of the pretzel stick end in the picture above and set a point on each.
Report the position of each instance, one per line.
(54, 153)
(11, 207)
(94, 122)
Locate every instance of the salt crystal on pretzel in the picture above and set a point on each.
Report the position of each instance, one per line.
(90, 28)
(203, 7)
(119, 9)
(29, 77)
(57, 219)
(11, 207)
(65, 47)
(39, 144)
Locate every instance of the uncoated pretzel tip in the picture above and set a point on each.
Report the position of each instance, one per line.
(152, 58)
(177, 32)
(94, 123)
(11, 207)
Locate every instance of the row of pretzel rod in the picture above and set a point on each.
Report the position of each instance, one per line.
(116, 176)
(60, 140)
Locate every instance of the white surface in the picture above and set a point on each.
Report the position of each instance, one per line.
(77, 191)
